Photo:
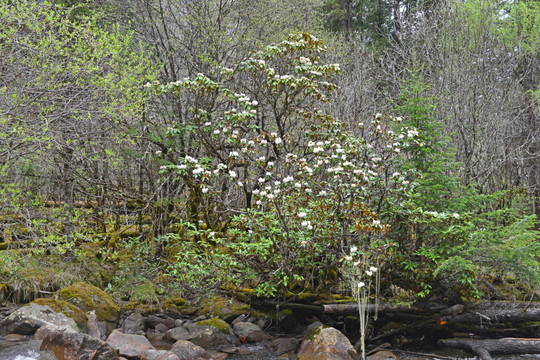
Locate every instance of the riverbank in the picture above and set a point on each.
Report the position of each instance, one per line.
(83, 318)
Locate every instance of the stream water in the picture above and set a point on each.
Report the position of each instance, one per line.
(23, 350)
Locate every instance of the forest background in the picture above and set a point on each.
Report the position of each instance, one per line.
(158, 147)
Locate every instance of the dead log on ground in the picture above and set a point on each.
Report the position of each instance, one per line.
(505, 346)
(416, 308)
(497, 316)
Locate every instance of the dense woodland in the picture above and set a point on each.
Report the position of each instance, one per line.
(285, 147)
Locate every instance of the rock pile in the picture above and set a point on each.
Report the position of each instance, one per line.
(82, 323)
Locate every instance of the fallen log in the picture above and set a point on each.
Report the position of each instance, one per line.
(497, 316)
(505, 346)
(416, 308)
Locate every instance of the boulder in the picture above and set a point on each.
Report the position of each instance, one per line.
(90, 298)
(134, 324)
(326, 343)
(283, 345)
(383, 355)
(154, 320)
(129, 345)
(161, 328)
(27, 319)
(92, 326)
(159, 355)
(177, 333)
(251, 333)
(186, 350)
(76, 346)
(209, 334)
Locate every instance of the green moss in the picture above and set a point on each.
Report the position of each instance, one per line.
(66, 308)
(189, 310)
(224, 308)
(310, 336)
(310, 297)
(340, 299)
(176, 300)
(88, 298)
(145, 293)
(135, 306)
(219, 324)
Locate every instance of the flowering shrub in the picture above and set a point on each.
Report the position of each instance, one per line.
(299, 188)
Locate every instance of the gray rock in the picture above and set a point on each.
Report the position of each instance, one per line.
(326, 343)
(186, 350)
(161, 328)
(134, 324)
(249, 332)
(129, 345)
(75, 346)
(206, 336)
(159, 355)
(383, 355)
(153, 320)
(92, 327)
(177, 333)
(283, 345)
(27, 319)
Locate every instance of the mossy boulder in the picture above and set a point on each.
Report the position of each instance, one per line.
(176, 300)
(224, 308)
(326, 343)
(145, 293)
(65, 308)
(219, 324)
(90, 298)
(139, 307)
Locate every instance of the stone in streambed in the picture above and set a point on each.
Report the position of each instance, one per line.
(129, 345)
(283, 345)
(134, 324)
(75, 346)
(90, 298)
(326, 343)
(154, 320)
(159, 355)
(27, 319)
(383, 355)
(186, 350)
(249, 332)
(209, 334)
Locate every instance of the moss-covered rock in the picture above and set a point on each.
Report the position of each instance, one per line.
(176, 300)
(219, 324)
(90, 298)
(326, 343)
(224, 308)
(145, 293)
(138, 307)
(66, 308)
